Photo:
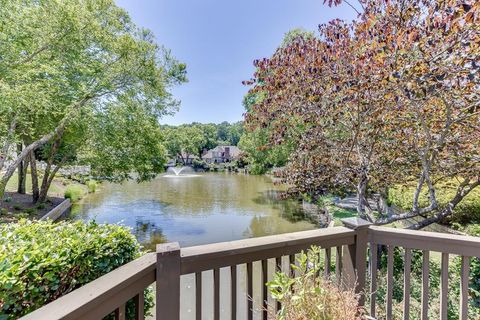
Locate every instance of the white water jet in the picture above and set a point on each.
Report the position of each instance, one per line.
(180, 172)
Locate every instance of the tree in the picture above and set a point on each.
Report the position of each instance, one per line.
(387, 99)
(63, 60)
(184, 141)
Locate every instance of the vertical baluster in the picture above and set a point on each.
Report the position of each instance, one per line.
(406, 284)
(216, 294)
(328, 261)
(338, 265)
(198, 295)
(389, 282)
(233, 287)
(139, 301)
(120, 312)
(373, 282)
(465, 274)
(425, 283)
(249, 291)
(278, 262)
(264, 289)
(291, 259)
(444, 288)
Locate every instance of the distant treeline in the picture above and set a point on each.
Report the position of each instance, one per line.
(192, 139)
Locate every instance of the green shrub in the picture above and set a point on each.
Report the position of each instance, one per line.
(30, 211)
(434, 287)
(17, 207)
(466, 211)
(8, 199)
(310, 296)
(41, 261)
(3, 212)
(92, 186)
(74, 192)
(198, 164)
(41, 206)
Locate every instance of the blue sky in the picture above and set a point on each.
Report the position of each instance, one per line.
(218, 40)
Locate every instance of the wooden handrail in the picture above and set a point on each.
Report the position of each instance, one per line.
(425, 240)
(103, 295)
(111, 292)
(225, 254)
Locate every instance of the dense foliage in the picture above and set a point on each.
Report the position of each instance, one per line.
(467, 211)
(389, 99)
(81, 80)
(434, 286)
(41, 261)
(189, 140)
(306, 295)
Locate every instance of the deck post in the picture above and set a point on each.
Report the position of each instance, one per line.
(355, 257)
(168, 281)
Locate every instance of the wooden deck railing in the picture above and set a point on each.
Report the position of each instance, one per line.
(110, 293)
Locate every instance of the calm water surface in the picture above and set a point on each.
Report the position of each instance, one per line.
(193, 210)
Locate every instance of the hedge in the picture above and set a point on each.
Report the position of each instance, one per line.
(41, 261)
(466, 211)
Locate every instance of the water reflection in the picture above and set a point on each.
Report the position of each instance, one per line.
(203, 209)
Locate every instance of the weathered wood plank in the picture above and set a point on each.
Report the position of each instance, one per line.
(263, 281)
(328, 261)
(218, 255)
(139, 301)
(373, 280)
(233, 293)
(250, 291)
(278, 263)
(198, 296)
(424, 240)
(168, 281)
(338, 265)
(120, 312)
(291, 264)
(406, 283)
(444, 288)
(389, 306)
(216, 294)
(464, 276)
(425, 283)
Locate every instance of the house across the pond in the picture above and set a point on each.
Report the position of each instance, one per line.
(221, 154)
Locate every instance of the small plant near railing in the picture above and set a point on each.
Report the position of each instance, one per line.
(42, 261)
(310, 295)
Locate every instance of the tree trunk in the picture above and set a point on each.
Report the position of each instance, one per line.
(33, 169)
(47, 183)
(22, 173)
(8, 142)
(33, 146)
(462, 191)
(362, 196)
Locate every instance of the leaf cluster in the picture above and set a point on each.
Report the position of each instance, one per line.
(41, 261)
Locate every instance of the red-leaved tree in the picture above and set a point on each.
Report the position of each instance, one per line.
(389, 99)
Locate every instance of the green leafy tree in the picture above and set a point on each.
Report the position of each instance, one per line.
(64, 61)
(184, 142)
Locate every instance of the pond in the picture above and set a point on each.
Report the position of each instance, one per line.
(195, 209)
